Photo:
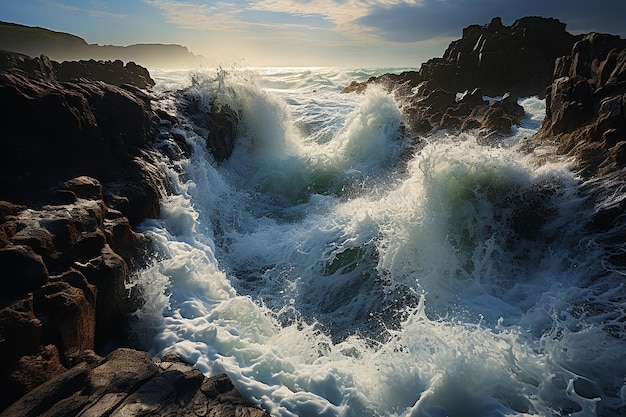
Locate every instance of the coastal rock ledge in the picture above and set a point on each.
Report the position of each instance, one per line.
(130, 383)
(81, 169)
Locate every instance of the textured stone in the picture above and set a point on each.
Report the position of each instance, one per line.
(130, 383)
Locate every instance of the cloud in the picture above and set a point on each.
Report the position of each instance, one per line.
(190, 15)
(365, 28)
(99, 11)
(334, 15)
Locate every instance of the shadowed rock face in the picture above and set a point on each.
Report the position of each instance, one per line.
(518, 59)
(79, 171)
(57, 261)
(56, 131)
(586, 105)
(586, 120)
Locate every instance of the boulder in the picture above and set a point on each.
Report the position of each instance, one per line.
(218, 122)
(222, 132)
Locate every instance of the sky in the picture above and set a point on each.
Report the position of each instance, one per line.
(345, 33)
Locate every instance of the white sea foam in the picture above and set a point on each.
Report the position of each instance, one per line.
(327, 277)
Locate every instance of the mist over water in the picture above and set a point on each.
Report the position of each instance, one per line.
(332, 269)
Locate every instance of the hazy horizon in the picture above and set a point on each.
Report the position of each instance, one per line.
(300, 33)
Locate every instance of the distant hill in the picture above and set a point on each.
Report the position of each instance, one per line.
(59, 46)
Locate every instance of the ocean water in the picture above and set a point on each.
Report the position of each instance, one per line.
(332, 268)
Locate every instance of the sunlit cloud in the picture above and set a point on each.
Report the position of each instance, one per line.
(219, 16)
(343, 17)
(93, 12)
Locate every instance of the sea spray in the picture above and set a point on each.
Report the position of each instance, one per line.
(460, 282)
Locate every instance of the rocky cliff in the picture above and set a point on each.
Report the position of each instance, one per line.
(80, 170)
(59, 46)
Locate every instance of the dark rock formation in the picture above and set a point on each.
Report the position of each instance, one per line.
(585, 105)
(80, 169)
(518, 59)
(111, 72)
(57, 261)
(222, 131)
(57, 131)
(430, 110)
(491, 60)
(130, 383)
(586, 120)
(218, 123)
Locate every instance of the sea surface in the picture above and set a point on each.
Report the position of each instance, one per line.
(332, 267)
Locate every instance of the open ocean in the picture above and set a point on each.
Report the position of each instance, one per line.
(332, 268)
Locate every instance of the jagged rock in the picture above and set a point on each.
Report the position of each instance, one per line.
(129, 383)
(585, 111)
(499, 58)
(79, 172)
(61, 308)
(58, 237)
(37, 67)
(406, 80)
(219, 121)
(494, 59)
(111, 72)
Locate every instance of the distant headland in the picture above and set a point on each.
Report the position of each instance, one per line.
(60, 46)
